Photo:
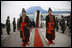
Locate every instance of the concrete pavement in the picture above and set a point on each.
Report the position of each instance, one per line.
(14, 40)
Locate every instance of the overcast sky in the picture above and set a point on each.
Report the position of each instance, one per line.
(14, 8)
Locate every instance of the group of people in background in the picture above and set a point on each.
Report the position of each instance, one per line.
(63, 24)
(8, 27)
(15, 26)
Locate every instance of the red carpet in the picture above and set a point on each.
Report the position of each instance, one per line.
(37, 39)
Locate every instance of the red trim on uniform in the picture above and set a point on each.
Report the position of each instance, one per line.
(50, 27)
(23, 24)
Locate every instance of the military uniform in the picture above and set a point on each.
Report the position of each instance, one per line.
(1, 28)
(52, 34)
(56, 24)
(8, 26)
(33, 23)
(18, 24)
(30, 23)
(50, 27)
(14, 25)
(62, 24)
(69, 23)
(24, 30)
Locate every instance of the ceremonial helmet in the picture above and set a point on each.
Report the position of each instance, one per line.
(23, 10)
(50, 10)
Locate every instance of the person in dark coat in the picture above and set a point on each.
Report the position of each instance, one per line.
(56, 24)
(62, 24)
(18, 24)
(69, 25)
(1, 29)
(69, 22)
(50, 27)
(30, 23)
(24, 28)
(33, 23)
(8, 25)
(14, 24)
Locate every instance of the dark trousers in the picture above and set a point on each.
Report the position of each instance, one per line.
(14, 30)
(63, 30)
(8, 32)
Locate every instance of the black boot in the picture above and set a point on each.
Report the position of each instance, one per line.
(8, 33)
(63, 32)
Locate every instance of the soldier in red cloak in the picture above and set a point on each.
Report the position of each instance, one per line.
(50, 27)
(24, 27)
